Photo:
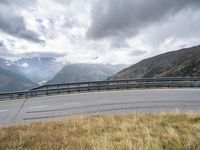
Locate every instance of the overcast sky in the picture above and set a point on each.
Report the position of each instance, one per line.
(97, 31)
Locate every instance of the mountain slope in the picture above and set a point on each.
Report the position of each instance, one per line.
(85, 72)
(11, 81)
(10, 66)
(39, 69)
(181, 63)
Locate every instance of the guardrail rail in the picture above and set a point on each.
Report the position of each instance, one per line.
(50, 89)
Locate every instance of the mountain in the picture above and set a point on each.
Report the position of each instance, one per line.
(181, 63)
(10, 66)
(39, 69)
(85, 72)
(11, 81)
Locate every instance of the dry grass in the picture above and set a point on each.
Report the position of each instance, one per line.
(123, 132)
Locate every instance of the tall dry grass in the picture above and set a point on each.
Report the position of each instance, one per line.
(120, 132)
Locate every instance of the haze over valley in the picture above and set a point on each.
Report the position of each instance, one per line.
(27, 73)
(45, 70)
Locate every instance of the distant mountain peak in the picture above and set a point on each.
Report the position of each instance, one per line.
(85, 72)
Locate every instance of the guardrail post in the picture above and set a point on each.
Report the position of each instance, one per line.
(108, 86)
(78, 87)
(25, 95)
(179, 85)
(47, 91)
(137, 84)
(58, 89)
(88, 86)
(98, 86)
(68, 89)
(168, 83)
(117, 85)
(191, 84)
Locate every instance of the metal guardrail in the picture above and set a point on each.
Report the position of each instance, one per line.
(50, 89)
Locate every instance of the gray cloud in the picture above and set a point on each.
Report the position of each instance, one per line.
(70, 23)
(137, 52)
(125, 18)
(116, 42)
(4, 1)
(184, 27)
(49, 29)
(1, 44)
(19, 3)
(7, 53)
(66, 2)
(3, 50)
(13, 24)
(43, 54)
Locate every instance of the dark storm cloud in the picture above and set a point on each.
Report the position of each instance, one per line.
(13, 24)
(125, 18)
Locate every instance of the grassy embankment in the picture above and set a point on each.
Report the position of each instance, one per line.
(123, 132)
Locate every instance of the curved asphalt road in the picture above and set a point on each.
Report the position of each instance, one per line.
(148, 100)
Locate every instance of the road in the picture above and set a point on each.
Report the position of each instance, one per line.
(148, 100)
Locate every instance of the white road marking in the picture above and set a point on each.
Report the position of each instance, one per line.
(4, 111)
(36, 107)
(104, 101)
(73, 103)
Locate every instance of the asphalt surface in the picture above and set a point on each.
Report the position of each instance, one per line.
(148, 100)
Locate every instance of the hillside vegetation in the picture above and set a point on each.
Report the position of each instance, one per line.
(181, 63)
(123, 132)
